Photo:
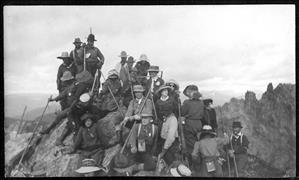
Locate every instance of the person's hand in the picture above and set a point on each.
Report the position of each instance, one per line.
(50, 99)
(133, 149)
(231, 153)
(124, 121)
(137, 117)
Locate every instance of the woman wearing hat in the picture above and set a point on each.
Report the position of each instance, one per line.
(174, 92)
(105, 96)
(206, 155)
(240, 145)
(88, 140)
(135, 106)
(166, 108)
(193, 111)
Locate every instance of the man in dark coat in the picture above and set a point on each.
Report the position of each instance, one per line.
(142, 66)
(75, 55)
(210, 114)
(67, 65)
(154, 82)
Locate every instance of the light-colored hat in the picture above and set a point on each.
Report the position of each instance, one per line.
(180, 171)
(123, 54)
(172, 81)
(77, 40)
(138, 88)
(67, 75)
(163, 87)
(153, 69)
(112, 73)
(88, 165)
(143, 57)
(84, 76)
(64, 55)
(207, 129)
(84, 97)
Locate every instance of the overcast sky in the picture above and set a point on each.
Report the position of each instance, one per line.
(219, 48)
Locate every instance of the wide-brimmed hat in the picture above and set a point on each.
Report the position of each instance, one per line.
(143, 57)
(130, 59)
(153, 69)
(64, 55)
(190, 87)
(147, 114)
(91, 37)
(172, 81)
(123, 54)
(207, 129)
(113, 73)
(77, 40)
(84, 76)
(162, 87)
(84, 97)
(180, 171)
(88, 165)
(207, 101)
(67, 75)
(138, 88)
(237, 124)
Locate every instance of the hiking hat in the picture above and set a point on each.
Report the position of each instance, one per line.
(77, 40)
(237, 124)
(64, 55)
(172, 81)
(88, 165)
(138, 88)
(143, 57)
(153, 69)
(190, 87)
(123, 54)
(67, 75)
(163, 87)
(147, 114)
(84, 97)
(113, 74)
(206, 102)
(91, 37)
(180, 171)
(207, 129)
(84, 76)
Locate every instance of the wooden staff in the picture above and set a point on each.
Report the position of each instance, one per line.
(21, 122)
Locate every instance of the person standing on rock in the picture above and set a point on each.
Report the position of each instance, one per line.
(210, 114)
(239, 143)
(206, 154)
(154, 82)
(135, 106)
(75, 55)
(193, 112)
(67, 65)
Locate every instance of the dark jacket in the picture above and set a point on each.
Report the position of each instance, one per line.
(193, 109)
(106, 99)
(210, 118)
(87, 139)
(239, 148)
(165, 108)
(159, 82)
(142, 67)
(62, 68)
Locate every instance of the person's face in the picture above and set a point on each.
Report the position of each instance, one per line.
(164, 92)
(77, 45)
(123, 60)
(130, 64)
(153, 74)
(90, 43)
(138, 95)
(88, 123)
(91, 174)
(236, 130)
(145, 120)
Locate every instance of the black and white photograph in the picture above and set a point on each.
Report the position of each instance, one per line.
(150, 90)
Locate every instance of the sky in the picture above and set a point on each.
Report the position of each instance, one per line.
(219, 48)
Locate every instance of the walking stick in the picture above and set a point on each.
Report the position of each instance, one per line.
(130, 80)
(225, 148)
(118, 107)
(156, 116)
(84, 61)
(21, 122)
(234, 158)
(33, 134)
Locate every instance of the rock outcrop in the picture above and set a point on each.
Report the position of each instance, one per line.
(269, 123)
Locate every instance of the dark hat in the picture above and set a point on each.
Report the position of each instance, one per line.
(130, 59)
(207, 129)
(77, 40)
(191, 87)
(163, 87)
(237, 124)
(206, 102)
(91, 37)
(87, 116)
(67, 75)
(123, 54)
(153, 69)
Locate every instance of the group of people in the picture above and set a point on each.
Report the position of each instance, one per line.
(162, 130)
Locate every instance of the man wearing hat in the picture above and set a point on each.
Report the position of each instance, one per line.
(206, 154)
(154, 82)
(136, 105)
(168, 144)
(193, 112)
(142, 66)
(75, 55)
(105, 96)
(67, 65)
(210, 114)
(240, 146)
(123, 58)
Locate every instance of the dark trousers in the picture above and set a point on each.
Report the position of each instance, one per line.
(147, 159)
(191, 128)
(241, 161)
(172, 153)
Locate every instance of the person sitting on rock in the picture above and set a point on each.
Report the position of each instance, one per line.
(106, 99)
(135, 107)
(206, 154)
(168, 144)
(210, 114)
(240, 144)
(154, 82)
(143, 143)
(88, 140)
(193, 112)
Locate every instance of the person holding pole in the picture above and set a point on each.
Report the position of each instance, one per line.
(237, 149)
